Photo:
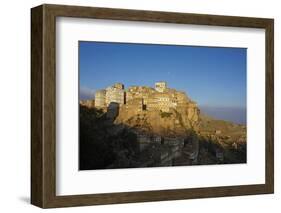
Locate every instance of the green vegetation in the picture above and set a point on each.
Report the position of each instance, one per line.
(165, 114)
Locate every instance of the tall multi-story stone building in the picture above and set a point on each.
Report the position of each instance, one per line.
(112, 94)
(161, 101)
(142, 92)
(100, 98)
(115, 94)
(160, 86)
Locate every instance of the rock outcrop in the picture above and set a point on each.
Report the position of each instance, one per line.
(164, 111)
(172, 123)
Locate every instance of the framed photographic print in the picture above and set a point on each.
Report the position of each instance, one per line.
(136, 106)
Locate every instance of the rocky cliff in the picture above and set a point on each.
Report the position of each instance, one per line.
(172, 122)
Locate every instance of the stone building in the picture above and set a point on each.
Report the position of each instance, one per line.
(160, 86)
(143, 92)
(100, 98)
(134, 104)
(159, 98)
(115, 94)
(112, 94)
(161, 101)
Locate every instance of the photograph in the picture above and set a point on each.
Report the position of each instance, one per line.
(170, 105)
(154, 105)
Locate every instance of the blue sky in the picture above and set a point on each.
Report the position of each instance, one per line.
(211, 76)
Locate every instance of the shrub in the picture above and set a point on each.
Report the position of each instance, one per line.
(165, 114)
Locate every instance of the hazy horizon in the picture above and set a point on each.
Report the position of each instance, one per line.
(236, 115)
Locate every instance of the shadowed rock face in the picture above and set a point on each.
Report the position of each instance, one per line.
(106, 144)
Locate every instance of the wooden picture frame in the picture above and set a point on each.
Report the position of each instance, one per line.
(43, 105)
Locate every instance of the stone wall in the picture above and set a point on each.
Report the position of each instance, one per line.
(143, 92)
(161, 101)
(100, 98)
(114, 95)
(160, 86)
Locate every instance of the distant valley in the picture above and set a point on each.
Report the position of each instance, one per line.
(237, 115)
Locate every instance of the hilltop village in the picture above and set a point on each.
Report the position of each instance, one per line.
(167, 126)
